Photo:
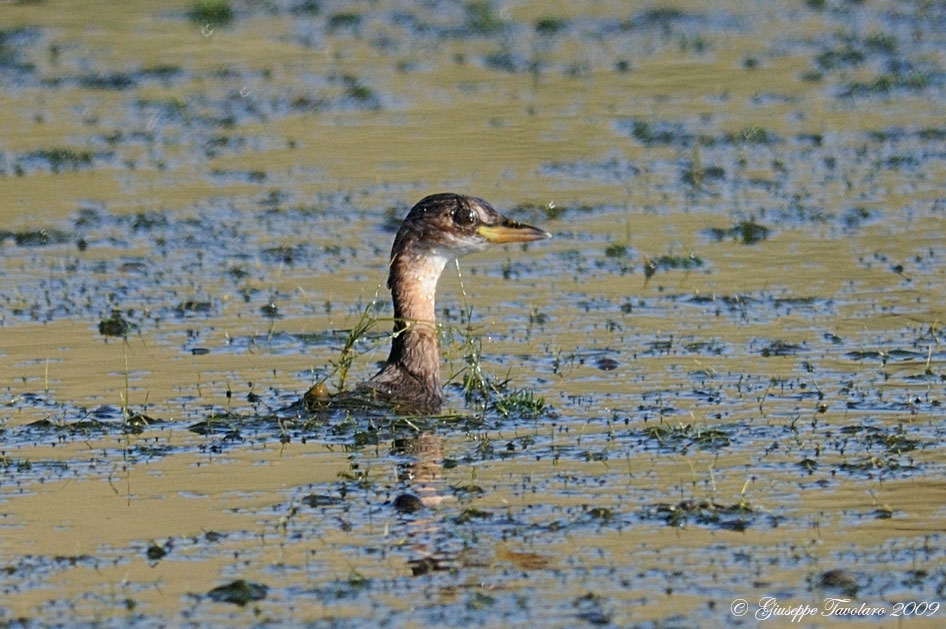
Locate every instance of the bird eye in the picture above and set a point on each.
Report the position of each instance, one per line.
(464, 216)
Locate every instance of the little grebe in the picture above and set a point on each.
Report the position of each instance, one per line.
(440, 228)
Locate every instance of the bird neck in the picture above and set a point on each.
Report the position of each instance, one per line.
(415, 347)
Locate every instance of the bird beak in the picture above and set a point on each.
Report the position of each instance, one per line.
(511, 231)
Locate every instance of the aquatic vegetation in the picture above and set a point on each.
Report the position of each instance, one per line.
(696, 174)
(477, 386)
(36, 237)
(212, 12)
(733, 517)
(338, 21)
(524, 404)
(307, 7)
(59, 158)
(749, 232)
(114, 325)
(550, 25)
(359, 92)
(683, 436)
(13, 42)
(856, 217)
(537, 317)
(885, 83)
(881, 42)
(549, 211)
(156, 552)
(837, 58)
(224, 217)
(114, 81)
(752, 135)
(660, 133)
(592, 608)
(482, 19)
(661, 17)
(239, 592)
(192, 306)
(137, 423)
(780, 348)
(669, 261)
(470, 514)
(616, 250)
(343, 364)
(839, 579)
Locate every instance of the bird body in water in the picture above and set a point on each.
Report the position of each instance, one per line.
(440, 228)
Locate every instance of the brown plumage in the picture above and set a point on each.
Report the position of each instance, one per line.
(438, 229)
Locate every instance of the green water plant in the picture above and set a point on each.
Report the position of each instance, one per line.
(482, 19)
(338, 21)
(549, 25)
(748, 232)
(60, 158)
(211, 12)
(360, 329)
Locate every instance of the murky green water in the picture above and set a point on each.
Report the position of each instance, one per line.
(736, 329)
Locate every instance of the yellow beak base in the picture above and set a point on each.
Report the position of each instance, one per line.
(511, 232)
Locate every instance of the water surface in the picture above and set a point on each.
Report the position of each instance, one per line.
(736, 330)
